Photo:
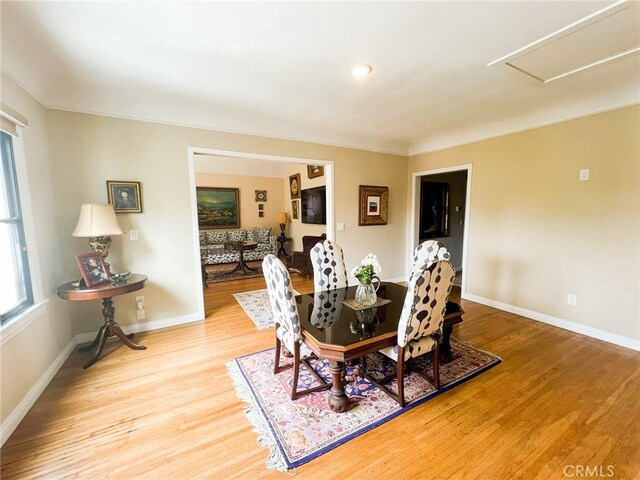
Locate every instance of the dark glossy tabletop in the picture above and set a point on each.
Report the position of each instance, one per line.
(328, 320)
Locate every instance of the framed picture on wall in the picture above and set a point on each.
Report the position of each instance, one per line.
(314, 171)
(126, 197)
(218, 207)
(294, 209)
(434, 210)
(261, 195)
(374, 205)
(294, 186)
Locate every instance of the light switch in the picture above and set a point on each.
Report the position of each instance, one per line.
(133, 234)
(584, 174)
(340, 227)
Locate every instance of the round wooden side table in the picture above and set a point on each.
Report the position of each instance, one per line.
(241, 247)
(71, 291)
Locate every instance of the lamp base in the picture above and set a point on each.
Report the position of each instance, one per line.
(282, 236)
(101, 245)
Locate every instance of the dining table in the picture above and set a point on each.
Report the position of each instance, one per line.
(339, 330)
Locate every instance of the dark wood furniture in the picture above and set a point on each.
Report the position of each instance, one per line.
(70, 291)
(301, 261)
(338, 343)
(282, 252)
(241, 247)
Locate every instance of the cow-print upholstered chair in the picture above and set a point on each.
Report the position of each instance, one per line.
(329, 271)
(285, 313)
(427, 253)
(420, 324)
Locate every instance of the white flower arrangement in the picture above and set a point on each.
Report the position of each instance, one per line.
(369, 267)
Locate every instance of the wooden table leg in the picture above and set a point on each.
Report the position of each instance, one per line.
(338, 400)
(109, 329)
(445, 346)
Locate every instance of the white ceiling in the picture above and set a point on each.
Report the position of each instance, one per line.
(282, 69)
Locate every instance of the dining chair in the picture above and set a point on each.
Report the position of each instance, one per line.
(285, 312)
(329, 271)
(426, 253)
(420, 324)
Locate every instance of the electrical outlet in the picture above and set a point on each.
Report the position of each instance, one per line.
(140, 302)
(584, 174)
(133, 234)
(140, 315)
(572, 299)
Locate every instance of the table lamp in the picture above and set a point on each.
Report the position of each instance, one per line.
(98, 222)
(282, 219)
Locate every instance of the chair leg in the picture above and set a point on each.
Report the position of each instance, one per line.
(296, 371)
(276, 363)
(401, 376)
(436, 365)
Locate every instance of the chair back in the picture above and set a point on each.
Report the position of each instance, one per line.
(426, 301)
(327, 307)
(282, 299)
(427, 253)
(329, 271)
(308, 241)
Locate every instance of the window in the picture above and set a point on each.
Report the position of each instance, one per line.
(16, 294)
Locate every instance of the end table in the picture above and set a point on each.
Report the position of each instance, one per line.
(281, 241)
(110, 328)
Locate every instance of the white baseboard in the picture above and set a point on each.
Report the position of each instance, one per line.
(18, 413)
(145, 327)
(603, 335)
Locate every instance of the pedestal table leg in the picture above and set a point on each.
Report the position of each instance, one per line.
(338, 400)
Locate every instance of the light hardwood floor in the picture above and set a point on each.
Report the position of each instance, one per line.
(170, 412)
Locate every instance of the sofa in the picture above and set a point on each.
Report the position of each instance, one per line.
(212, 251)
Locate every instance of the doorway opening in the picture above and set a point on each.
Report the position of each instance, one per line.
(440, 211)
(259, 201)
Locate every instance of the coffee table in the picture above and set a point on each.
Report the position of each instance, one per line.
(241, 247)
(340, 334)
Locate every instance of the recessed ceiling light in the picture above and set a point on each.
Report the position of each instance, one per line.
(361, 70)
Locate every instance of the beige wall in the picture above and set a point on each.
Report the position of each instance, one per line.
(26, 356)
(536, 233)
(248, 206)
(90, 149)
(296, 230)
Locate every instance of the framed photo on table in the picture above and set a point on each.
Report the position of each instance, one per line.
(93, 269)
(374, 205)
(126, 197)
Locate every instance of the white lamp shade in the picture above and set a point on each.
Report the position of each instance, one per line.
(97, 221)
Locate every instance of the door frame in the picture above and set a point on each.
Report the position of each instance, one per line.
(414, 222)
(329, 168)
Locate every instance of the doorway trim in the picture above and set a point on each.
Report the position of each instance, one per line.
(412, 231)
(193, 151)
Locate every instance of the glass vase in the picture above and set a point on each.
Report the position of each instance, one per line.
(366, 293)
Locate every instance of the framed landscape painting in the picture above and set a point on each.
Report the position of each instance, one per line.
(218, 207)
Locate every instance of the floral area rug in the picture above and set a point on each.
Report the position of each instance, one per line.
(257, 307)
(301, 430)
(219, 273)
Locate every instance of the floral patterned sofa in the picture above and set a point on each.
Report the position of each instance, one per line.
(212, 251)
